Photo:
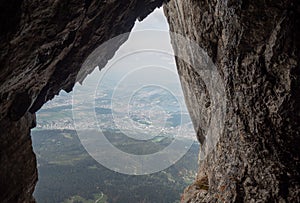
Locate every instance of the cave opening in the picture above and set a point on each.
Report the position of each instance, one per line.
(245, 109)
(137, 104)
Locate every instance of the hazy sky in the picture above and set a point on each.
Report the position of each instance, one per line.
(148, 48)
(145, 59)
(156, 20)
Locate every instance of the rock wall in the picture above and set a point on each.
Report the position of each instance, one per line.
(255, 46)
(42, 46)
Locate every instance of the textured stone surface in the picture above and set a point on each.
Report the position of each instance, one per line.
(42, 47)
(18, 173)
(255, 45)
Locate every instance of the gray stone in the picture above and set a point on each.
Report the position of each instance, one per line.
(255, 46)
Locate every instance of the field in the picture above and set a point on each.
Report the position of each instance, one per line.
(67, 173)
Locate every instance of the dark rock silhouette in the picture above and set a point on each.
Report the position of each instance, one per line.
(43, 45)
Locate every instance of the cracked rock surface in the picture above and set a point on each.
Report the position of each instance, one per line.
(255, 46)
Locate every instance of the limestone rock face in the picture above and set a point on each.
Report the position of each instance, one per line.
(255, 46)
(42, 47)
